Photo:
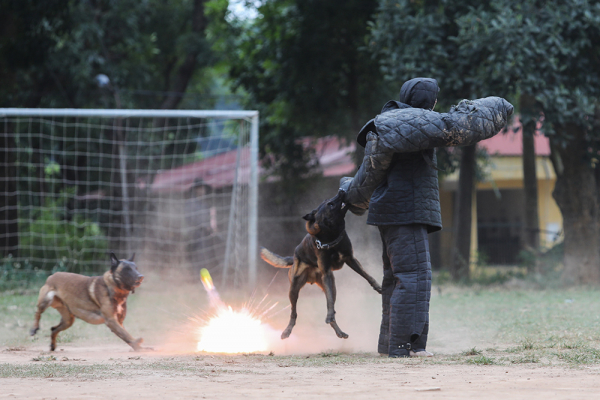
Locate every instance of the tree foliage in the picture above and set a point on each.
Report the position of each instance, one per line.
(52, 51)
(546, 49)
(418, 38)
(541, 52)
(302, 64)
(546, 52)
(50, 54)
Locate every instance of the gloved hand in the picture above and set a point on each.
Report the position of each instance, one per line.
(345, 183)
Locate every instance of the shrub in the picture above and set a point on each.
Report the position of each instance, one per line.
(51, 240)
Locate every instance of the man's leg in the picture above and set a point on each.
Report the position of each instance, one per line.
(387, 287)
(408, 251)
(424, 291)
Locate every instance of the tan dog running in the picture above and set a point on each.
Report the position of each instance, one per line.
(94, 299)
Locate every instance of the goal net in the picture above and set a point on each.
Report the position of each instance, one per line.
(177, 187)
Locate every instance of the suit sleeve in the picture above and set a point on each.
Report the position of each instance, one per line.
(413, 130)
(472, 121)
(370, 175)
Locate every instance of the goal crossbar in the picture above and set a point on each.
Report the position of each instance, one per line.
(111, 113)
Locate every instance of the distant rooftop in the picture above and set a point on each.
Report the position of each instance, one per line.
(334, 155)
(510, 143)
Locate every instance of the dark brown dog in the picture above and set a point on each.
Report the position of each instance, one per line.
(323, 250)
(94, 299)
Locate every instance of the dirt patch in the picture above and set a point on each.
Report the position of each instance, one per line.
(79, 372)
(492, 344)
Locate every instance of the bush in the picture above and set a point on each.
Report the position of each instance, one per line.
(16, 275)
(49, 240)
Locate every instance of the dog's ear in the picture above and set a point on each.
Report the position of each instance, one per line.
(312, 227)
(114, 262)
(132, 257)
(310, 217)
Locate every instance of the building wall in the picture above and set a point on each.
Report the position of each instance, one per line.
(281, 226)
(505, 175)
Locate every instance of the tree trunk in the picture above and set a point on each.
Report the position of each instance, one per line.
(354, 110)
(461, 240)
(9, 227)
(531, 237)
(188, 66)
(529, 117)
(576, 194)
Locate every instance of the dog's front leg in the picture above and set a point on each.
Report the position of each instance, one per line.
(357, 267)
(328, 287)
(118, 330)
(295, 285)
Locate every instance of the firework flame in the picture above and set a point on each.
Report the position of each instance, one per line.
(213, 295)
(230, 331)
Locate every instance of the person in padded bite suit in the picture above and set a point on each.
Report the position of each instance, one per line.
(397, 182)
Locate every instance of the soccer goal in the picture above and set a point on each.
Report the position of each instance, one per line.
(177, 187)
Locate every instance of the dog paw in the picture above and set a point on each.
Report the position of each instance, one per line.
(377, 289)
(136, 344)
(33, 331)
(342, 335)
(143, 348)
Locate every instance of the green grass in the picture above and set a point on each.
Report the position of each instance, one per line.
(478, 326)
(481, 360)
(472, 352)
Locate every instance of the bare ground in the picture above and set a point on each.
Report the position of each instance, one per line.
(107, 371)
(521, 349)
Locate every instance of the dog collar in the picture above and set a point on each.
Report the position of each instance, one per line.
(326, 246)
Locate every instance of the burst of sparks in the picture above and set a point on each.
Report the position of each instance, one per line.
(231, 331)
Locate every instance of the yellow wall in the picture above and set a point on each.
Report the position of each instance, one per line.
(504, 173)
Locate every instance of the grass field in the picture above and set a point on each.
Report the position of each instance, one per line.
(501, 341)
(469, 325)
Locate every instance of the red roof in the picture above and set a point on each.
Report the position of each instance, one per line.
(216, 171)
(335, 159)
(510, 143)
(335, 156)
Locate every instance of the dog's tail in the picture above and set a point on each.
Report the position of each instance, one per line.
(276, 260)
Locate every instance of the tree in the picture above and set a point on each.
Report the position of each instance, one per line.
(531, 237)
(302, 64)
(417, 38)
(27, 30)
(463, 213)
(548, 52)
(50, 52)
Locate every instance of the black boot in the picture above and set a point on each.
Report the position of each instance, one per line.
(401, 351)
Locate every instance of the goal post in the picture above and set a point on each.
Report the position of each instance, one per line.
(178, 187)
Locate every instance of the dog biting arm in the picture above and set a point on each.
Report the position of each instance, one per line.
(371, 173)
(412, 130)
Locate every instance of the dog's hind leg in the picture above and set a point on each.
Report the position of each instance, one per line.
(357, 267)
(328, 286)
(44, 300)
(65, 322)
(296, 284)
